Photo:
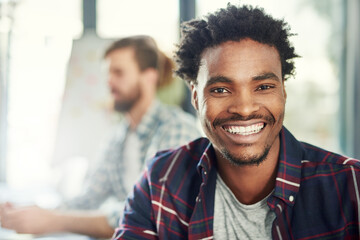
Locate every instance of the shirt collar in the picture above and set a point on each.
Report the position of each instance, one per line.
(289, 169)
(149, 119)
(207, 161)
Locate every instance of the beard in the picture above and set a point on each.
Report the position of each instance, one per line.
(127, 104)
(245, 160)
(121, 106)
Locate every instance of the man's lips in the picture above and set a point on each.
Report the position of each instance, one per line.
(116, 94)
(243, 121)
(114, 91)
(244, 130)
(244, 126)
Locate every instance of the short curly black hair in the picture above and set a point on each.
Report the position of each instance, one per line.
(232, 24)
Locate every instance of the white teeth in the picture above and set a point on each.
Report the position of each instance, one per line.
(252, 129)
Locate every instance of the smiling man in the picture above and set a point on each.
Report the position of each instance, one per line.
(250, 178)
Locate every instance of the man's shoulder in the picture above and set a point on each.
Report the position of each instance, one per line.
(173, 120)
(319, 155)
(178, 160)
(175, 113)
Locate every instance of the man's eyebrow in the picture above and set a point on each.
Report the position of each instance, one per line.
(264, 76)
(218, 79)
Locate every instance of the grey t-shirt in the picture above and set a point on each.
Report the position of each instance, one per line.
(234, 220)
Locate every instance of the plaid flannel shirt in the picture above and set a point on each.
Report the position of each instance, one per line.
(316, 195)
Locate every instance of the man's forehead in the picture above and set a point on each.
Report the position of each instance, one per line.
(228, 47)
(121, 56)
(244, 55)
(122, 52)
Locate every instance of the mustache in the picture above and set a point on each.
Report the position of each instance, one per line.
(237, 117)
(114, 91)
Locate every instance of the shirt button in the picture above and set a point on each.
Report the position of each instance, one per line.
(291, 198)
(205, 172)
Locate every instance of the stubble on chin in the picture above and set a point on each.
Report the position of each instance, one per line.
(122, 107)
(244, 160)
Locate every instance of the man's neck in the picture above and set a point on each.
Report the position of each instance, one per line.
(137, 112)
(252, 183)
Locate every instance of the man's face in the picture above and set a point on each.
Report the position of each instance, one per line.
(240, 99)
(123, 78)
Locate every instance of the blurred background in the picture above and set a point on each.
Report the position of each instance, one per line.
(55, 111)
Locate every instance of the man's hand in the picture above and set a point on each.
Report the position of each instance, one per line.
(3, 207)
(29, 219)
(35, 220)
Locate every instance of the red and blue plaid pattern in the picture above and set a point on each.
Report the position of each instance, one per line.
(316, 195)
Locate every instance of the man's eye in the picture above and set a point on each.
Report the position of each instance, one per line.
(219, 90)
(264, 87)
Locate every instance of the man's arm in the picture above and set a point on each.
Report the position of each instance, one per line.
(98, 187)
(35, 220)
(137, 221)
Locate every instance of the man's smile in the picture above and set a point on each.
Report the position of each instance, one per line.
(244, 130)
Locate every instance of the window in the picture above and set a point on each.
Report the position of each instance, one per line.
(45, 37)
(157, 18)
(40, 46)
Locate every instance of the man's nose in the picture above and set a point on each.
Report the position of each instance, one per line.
(110, 80)
(243, 104)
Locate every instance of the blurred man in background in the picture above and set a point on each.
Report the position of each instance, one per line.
(136, 70)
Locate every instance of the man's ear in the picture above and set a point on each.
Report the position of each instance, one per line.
(284, 90)
(151, 75)
(194, 97)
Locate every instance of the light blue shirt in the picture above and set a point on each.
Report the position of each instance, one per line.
(162, 127)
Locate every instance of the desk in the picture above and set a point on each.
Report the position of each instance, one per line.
(11, 235)
(46, 198)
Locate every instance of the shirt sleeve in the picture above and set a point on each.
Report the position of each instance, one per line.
(137, 221)
(113, 212)
(175, 133)
(97, 189)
